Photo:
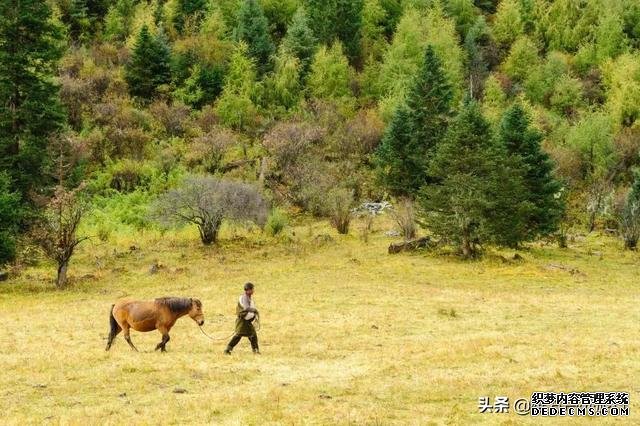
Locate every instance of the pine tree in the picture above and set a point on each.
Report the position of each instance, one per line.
(430, 104)
(189, 12)
(341, 19)
(323, 16)
(282, 88)
(236, 106)
(300, 41)
(508, 23)
(349, 27)
(395, 159)
(536, 168)
(461, 207)
(77, 19)
(253, 29)
(428, 110)
(374, 42)
(330, 74)
(149, 67)
(30, 109)
(117, 22)
(10, 216)
(97, 9)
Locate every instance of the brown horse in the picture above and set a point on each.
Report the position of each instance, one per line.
(160, 314)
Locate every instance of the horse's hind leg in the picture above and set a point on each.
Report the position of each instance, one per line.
(114, 328)
(112, 336)
(127, 337)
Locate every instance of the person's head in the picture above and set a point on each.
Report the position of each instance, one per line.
(248, 289)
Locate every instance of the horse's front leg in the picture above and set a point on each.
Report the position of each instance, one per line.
(165, 338)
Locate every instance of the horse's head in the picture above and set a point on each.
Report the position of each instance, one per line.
(195, 312)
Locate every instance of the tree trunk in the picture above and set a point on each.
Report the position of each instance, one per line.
(562, 240)
(61, 280)
(630, 243)
(263, 171)
(467, 250)
(209, 233)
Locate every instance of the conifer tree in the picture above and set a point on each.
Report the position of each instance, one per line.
(428, 110)
(236, 106)
(395, 159)
(117, 22)
(191, 11)
(349, 27)
(478, 195)
(10, 217)
(329, 76)
(523, 142)
(149, 67)
(253, 29)
(374, 40)
(323, 15)
(77, 19)
(337, 19)
(282, 88)
(300, 41)
(429, 101)
(30, 109)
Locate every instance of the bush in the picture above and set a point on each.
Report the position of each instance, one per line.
(120, 210)
(339, 205)
(276, 222)
(206, 201)
(405, 217)
(171, 120)
(206, 153)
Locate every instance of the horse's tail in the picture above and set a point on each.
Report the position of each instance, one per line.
(115, 327)
(112, 320)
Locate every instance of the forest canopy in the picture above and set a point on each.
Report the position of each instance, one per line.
(343, 100)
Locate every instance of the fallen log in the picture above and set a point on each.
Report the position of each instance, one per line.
(409, 245)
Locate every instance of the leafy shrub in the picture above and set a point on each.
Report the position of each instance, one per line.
(276, 222)
(172, 120)
(339, 204)
(206, 153)
(118, 211)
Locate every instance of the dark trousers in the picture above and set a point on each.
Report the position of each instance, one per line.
(235, 339)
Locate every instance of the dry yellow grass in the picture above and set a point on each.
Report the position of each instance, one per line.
(350, 335)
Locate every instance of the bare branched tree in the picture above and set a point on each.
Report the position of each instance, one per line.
(206, 201)
(56, 233)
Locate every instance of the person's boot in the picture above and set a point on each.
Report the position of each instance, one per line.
(227, 351)
(256, 351)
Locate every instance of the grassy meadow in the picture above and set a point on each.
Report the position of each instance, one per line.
(350, 334)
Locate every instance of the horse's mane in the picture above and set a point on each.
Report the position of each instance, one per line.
(175, 304)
